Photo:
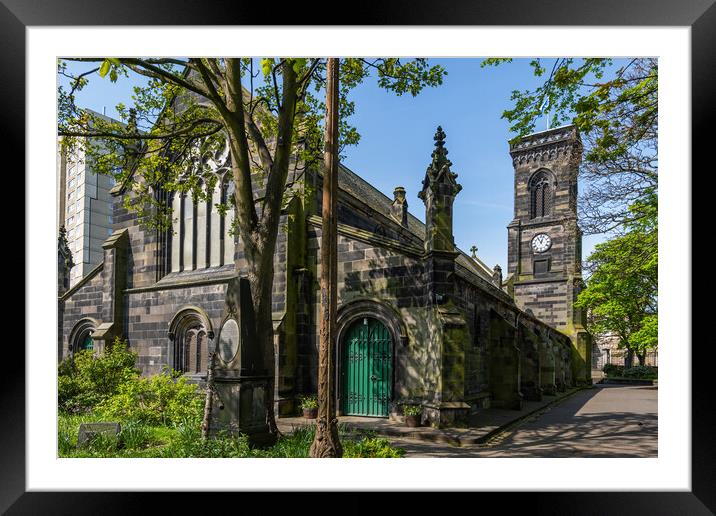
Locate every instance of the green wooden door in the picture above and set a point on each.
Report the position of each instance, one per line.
(87, 343)
(367, 369)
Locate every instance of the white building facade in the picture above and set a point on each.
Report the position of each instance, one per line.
(84, 209)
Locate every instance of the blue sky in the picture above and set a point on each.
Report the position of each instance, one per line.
(397, 140)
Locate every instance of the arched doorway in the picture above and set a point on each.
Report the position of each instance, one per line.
(80, 338)
(86, 343)
(367, 368)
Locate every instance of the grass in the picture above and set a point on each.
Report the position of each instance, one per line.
(184, 440)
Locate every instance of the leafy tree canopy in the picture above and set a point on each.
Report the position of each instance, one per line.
(175, 131)
(621, 295)
(615, 108)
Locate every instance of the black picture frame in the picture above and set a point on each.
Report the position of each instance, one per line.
(699, 15)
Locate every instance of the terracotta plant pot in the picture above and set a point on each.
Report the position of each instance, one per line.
(412, 421)
(310, 413)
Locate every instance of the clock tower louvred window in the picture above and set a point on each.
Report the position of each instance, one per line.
(541, 195)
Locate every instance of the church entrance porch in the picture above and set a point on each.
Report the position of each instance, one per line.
(367, 369)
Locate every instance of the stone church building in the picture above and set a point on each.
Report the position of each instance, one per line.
(419, 321)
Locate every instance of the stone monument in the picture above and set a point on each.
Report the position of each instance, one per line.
(240, 380)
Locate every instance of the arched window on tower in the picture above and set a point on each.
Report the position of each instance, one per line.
(541, 195)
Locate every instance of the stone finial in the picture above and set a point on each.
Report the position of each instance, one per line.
(399, 208)
(438, 194)
(438, 172)
(440, 153)
(497, 276)
(473, 250)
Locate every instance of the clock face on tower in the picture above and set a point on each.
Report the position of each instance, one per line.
(541, 242)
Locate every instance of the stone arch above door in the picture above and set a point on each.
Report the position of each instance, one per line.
(80, 332)
(349, 312)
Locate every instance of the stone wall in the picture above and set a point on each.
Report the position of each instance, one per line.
(151, 310)
(83, 301)
(378, 277)
(545, 300)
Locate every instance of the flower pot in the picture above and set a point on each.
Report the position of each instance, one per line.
(412, 421)
(310, 413)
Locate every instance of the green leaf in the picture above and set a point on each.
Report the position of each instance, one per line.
(266, 66)
(106, 65)
(298, 64)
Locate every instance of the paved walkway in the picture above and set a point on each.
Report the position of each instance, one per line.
(483, 425)
(607, 421)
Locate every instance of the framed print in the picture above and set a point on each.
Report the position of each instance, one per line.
(679, 34)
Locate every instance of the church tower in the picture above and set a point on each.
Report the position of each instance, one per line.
(544, 240)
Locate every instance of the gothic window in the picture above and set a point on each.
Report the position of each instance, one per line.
(541, 195)
(190, 331)
(227, 199)
(199, 234)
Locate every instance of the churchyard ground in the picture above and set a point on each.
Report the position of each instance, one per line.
(604, 421)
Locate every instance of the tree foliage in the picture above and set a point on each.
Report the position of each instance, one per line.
(621, 294)
(616, 112)
(175, 132)
(84, 380)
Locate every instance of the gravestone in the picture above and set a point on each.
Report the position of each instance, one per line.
(89, 431)
(241, 382)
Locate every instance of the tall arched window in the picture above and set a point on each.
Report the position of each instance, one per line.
(227, 199)
(199, 232)
(541, 194)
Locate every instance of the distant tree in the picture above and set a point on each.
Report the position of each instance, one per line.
(621, 294)
(267, 111)
(616, 112)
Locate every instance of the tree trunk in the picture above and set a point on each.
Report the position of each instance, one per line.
(326, 442)
(209, 400)
(629, 358)
(261, 282)
(642, 358)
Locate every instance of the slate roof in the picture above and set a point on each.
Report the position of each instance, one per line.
(362, 190)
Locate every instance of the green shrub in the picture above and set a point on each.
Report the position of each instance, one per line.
(643, 372)
(309, 402)
(135, 435)
(85, 380)
(296, 444)
(613, 370)
(412, 410)
(164, 399)
(371, 447)
(187, 442)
